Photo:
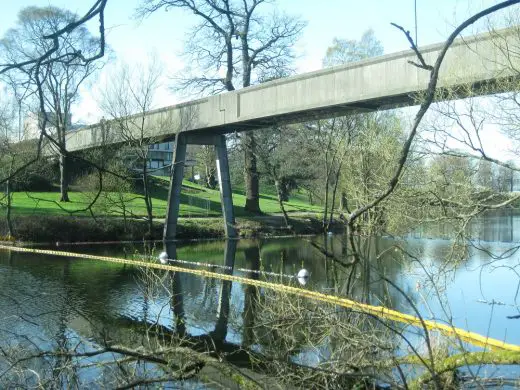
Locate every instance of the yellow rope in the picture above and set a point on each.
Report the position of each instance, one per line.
(379, 311)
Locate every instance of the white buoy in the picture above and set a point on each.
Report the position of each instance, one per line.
(303, 276)
(163, 258)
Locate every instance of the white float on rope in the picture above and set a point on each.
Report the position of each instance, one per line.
(303, 276)
(163, 258)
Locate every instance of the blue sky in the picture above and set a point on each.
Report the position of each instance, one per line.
(164, 32)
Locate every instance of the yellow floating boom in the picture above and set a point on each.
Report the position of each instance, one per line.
(379, 311)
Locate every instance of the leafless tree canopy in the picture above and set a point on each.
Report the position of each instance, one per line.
(235, 43)
(30, 64)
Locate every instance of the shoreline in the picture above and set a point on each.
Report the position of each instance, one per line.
(71, 230)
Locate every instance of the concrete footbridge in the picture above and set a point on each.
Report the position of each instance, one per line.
(475, 65)
(383, 82)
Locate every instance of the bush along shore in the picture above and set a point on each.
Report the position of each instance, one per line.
(52, 229)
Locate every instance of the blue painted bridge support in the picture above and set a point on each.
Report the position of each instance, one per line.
(177, 174)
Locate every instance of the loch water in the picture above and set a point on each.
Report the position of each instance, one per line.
(50, 303)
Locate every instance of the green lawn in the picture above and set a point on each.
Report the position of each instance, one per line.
(196, 201)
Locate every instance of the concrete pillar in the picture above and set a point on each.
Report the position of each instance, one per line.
(224, 181)
(174, 194)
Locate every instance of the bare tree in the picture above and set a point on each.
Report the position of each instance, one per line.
(425, 104)
(20, 87)
(330, 141)
(284, 162)
(67, 52)
(126, 100)
(342, 144)
(343, 51)
(7, 160)
(33, 70)
(206, 157)
(236, 39)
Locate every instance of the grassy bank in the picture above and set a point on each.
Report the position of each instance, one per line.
(40, 217)
(196, 201)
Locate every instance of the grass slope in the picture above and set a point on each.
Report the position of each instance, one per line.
(196, 201)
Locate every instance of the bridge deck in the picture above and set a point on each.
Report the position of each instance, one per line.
(383, 82)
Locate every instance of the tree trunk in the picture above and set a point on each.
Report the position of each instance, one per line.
(279, 191)
(19, 120)
(125, 219)
(148, 201)
(311, 199)
(331, 217)
(10, 232)
(251, 175)
(211, 180)
(343, 202)
(326, 206)
(64, 183)
(333, 202)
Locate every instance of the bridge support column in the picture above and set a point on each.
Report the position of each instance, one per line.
(174, 194)
(224, 180)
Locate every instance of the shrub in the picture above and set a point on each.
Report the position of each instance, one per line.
(74, 229)
(33, 182)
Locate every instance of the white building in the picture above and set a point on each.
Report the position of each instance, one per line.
(160, 158)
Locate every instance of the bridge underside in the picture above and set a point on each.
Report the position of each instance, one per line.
(383, 103)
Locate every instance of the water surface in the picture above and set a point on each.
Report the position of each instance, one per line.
(49, 302)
